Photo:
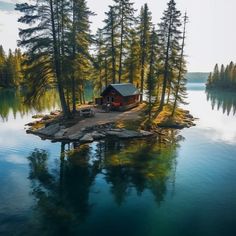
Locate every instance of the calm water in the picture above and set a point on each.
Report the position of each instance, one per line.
(185, 187)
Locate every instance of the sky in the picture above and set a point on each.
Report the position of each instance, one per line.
(211, 34)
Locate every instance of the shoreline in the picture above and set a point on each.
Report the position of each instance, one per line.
(122, 125)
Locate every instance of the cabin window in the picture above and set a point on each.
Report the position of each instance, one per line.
(108, 99)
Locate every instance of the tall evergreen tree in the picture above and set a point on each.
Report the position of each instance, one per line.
(144, 31)
(43, 48)
(80, 43)
(180, 86)
(125, 16)
(151, 78)
(222, 74)
(169, 45)
(2, 66)
(111, 40)
(132, 60)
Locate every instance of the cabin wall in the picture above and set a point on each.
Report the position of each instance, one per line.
(119, 102)
(112, 96)
(130, 100)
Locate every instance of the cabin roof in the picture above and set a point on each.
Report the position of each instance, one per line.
(126, 89)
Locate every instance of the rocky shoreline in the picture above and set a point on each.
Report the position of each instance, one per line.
(54, 128)
(59, 133)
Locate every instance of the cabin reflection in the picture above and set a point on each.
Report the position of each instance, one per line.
(222, 100)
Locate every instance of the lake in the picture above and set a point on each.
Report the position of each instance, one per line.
(185, 187)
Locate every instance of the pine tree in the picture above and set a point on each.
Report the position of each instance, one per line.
(132, 61)
(180, 86)
(125, 17)
(81, 41)
(169, 45)
(222, 74)
(100, 59)
(43, 47)
(216, 74)
(151, 78)
(111, 40)
(144, 32)
(2, 66)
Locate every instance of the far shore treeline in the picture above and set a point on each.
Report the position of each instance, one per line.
(223, 77)
(60, 50)
(11, 73)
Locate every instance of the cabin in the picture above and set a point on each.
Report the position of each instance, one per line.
(120, 96)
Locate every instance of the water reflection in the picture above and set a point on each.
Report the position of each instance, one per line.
(12, 101)
(63, 194)
(221, 100)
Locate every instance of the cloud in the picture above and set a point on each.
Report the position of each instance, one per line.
(9, 29)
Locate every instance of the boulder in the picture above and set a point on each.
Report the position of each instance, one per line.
(60, 134)
(146, 133)
(75, 137)
(125, 134)
(87, 138)
(51, 130)
(97, 135)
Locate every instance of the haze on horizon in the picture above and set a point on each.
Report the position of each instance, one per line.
(211, 35)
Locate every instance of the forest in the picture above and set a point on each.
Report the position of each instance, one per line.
(61, 51)
(11, 74)
(223, 78)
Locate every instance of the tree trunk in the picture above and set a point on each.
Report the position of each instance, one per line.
(73, 84)
(165, 79)
(121, 46)
(113, 52)
(57, 65)
(180, 67)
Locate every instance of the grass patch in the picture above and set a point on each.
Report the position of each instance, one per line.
(181, 118)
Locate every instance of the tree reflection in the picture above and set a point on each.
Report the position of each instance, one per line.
(13, 101)
(221, 100)
(63, 193)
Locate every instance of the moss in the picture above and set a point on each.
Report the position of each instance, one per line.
(37, 125)
(181, 118)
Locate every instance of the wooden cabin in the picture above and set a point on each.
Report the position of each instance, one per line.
(120, 96)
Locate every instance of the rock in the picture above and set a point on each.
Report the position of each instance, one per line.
(117, 130)
(60, 134)
(37, 116)
(97, 135)
(125, 134)
(55, 113)
(87, 138)
(146, 133)
(75, 137)
(47, 117)
(49, 131)
(31, 124)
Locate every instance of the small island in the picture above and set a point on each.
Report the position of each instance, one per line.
(117, 114)
(223, 78)
(148, 61)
